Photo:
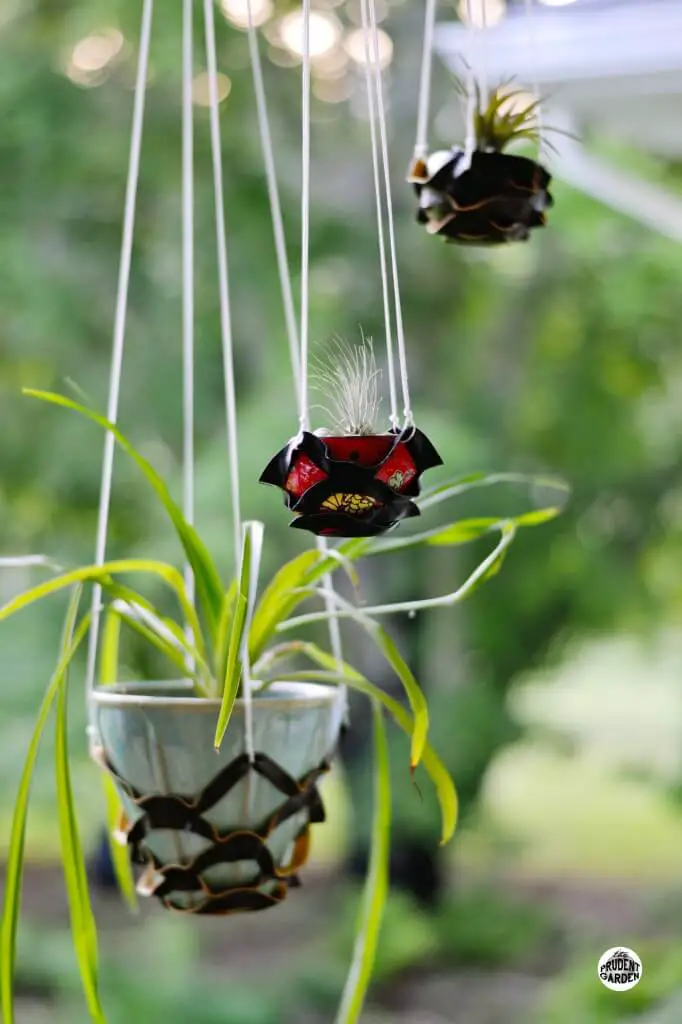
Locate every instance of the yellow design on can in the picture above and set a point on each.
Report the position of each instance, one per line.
(353, 504)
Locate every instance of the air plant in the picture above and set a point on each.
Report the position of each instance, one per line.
(349, 377)
(236, 644)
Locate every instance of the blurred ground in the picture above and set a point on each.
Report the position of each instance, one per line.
(427, 994)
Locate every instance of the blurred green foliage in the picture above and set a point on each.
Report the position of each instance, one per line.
(576, 997)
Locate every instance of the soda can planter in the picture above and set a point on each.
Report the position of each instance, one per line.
(216, 832)
(351, 485)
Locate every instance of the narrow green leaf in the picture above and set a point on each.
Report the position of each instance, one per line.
(413, 691)
(376, 885)
(486, 568)
(119, 592)
(465, 531)
(15, 856)
(208, 583)
(101, 574)
(111, 638)
(278, 600)
(120, 857)
(432, 764)
(83, 928)
(462, 485)
(108, 675)
(177, 657)
(252, 552)
(233, 671)
(222, 639)
(293, 584)
(412, 688)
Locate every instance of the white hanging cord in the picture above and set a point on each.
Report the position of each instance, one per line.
(470, 117)
(368, 9)
(331, 607)
(481, 36)
(187, 267)
(226, 337)
(223, 280)
(421, 147)
(119, 330)
(305, 219)
(188, 283)
(371, 107)
(287, 291)
(535, 89)
(275, 206)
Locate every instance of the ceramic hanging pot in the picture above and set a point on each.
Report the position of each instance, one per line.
(216, 832)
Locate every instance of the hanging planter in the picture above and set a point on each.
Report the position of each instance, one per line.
(212, 782)
(217, 833)
(488, 196)
(352, 481)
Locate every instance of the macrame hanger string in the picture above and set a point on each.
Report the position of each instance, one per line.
(383, 263)
(481, 38)
(188, 287)
(304, 416)
(227, 338)
(368, 9)
(283, 267)
(120, 319)
(534, 86)
(470, 70)
(304, 413)
(421, 145)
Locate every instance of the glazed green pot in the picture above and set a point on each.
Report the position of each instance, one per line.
(158, 738)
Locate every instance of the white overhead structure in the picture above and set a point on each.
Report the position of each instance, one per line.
(610, 68)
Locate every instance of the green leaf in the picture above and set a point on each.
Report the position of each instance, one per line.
(15, 856)
(279, 600)
(293, 584)
(83, 928)
(413, 691)
(252, 550)
(108, 675)
(223, 631)
(233, 670)
(432, 764)
(473, 481)
(376, 885)
(465, 531)
(208, 583)
(177, 657)
(486, 568)
(101, 574)
(120, 857)
(111, 637)
(412, 688)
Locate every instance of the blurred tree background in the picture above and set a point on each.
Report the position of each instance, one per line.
(561, 355)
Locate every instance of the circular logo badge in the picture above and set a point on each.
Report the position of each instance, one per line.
(619, 969)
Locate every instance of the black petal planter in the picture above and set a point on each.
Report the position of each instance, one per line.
(497, 198)
(486, 196)
(351, 485)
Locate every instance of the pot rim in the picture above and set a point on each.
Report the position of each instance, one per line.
(117, 695)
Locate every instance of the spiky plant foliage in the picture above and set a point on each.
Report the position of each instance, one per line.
(349, 378)
(503, 120)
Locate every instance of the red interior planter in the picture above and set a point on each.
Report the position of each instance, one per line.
(396, 467)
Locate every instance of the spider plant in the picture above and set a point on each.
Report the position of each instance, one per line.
(207, 642)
